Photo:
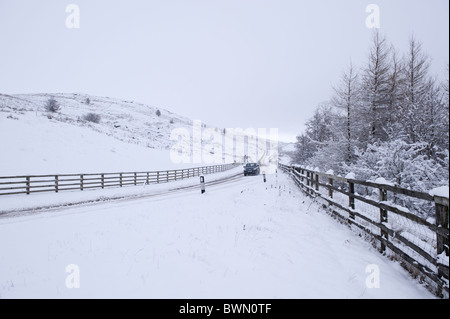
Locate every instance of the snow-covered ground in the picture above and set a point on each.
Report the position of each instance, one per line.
(242, 239)
(129, 137)
(51, 147)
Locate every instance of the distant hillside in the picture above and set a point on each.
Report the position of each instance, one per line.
(128, 135)
(126, 121)
(287, 152)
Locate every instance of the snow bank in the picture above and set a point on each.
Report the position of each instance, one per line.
(350, 175)
(245, 239)
(442, 191)
(383, 181)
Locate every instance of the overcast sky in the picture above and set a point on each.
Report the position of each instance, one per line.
(229, 63)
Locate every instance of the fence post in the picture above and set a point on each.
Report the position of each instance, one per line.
(330, 190)
(383, 218)
(441, 206)
(28, 185)
(167, 176)
(148, 177)
(135, 179)
(81, 181)
(317, 182)
(56, 184)
(120, 179)
(157, 177)
(351, 199)
(307, 179)
(103, 181)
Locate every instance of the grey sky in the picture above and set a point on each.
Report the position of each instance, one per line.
(246, 63)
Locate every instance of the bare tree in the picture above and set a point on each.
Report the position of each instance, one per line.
(345, 97)
(445, 88)
(394, 98)
(416, 89)
(375, 84)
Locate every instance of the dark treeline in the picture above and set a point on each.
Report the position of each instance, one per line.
(388, 118)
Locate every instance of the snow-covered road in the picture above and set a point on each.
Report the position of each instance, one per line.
(241, 239)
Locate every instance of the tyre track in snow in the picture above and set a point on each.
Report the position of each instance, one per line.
(232, 179)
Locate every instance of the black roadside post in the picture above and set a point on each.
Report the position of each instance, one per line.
(202, 183)
(264, 176)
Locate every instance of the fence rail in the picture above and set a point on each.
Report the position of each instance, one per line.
(12, 185)
(421, 243)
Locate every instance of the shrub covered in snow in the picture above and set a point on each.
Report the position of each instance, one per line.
(52, 105)
(92, 117)
(406, 165)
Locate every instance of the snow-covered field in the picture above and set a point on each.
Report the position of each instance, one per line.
(129, 137)
(33, 144)
(57, 148)
(241, 239)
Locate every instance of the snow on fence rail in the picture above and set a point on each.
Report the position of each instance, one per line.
(421, 243)
(10, 185)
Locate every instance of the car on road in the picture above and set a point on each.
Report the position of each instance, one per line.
(251, 169)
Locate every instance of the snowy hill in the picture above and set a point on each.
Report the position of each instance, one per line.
(184, 244)
(127, 121)
(130, 136)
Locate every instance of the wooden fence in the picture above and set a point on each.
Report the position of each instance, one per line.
(10, 185)
(421, 243)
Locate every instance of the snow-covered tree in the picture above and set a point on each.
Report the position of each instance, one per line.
(394, 97)
(390, 120)
(346, 98)
(318, 131)
(52, 105)
(417, 86)
(406, 165)
(375, 87)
